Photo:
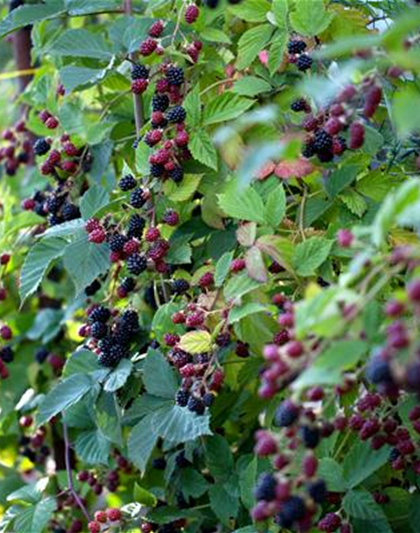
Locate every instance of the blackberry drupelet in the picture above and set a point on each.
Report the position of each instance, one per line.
(159, 463)
(41, 354)
(175, 75)
(181, 461)
(6, 354)
(128, 284)
(137, 199)
(176, 115)
(136, 226)
(304, 62)
(93, 288)
(127, 183)
(130, 320)
(308, 149)
(53, 203)
(323, 141)
(41, 146)
(136, 264)
(300, 105)
(139, 72)
(292, 510)
(296, 46)
(160, 102)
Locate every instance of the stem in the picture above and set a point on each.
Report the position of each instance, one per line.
(69, 473)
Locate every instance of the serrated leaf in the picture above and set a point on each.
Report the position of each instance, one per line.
(310, 17)
(40, 257)
(192, 105)
(177, 424)
(66, 229)
(81, 43)
(251, 11)
(73, 77)
(239, 312)
(226, 106)
(246, 233)
(143, 153)
(222, 268)
(354, 202)
(183, 191)
(94, 199)
(361, 504)
(193, 483)
(34, 519)
(239, 285)
(310, 254)
(202, 149)
(251, 43)
(250, 86)
(224, 504)
(162, 321)
(275, 208)
(280, 10)
(215, 35)
(278, 248)
(340, 179)
(92, 447)
(195, 342)
(63, 395)
(276, 50)
(119, 376)
(25, 15)
(332, 473)
(158, 376)
(254, 263)
(141, 442)
(244, 205)
(361, 462)
(81, 361)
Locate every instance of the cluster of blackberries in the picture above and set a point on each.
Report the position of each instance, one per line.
(32, 443)
(53, 204)
(111, 517)
(297, 55)
(16, 148)
(111, 336)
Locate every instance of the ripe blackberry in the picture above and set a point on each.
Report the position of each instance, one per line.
(70, 212)
(6, 354)
(53, 203)
(286, 414)
(208, 399)
(98, 330)
(323, 141)
(130, 320)
(292, 510)
(156, 170)
(139, 72)
(128, 284)
(93, 288)
(265, 488)
(137, 199)
(99, 314)
(318, 490)
(181, 461)
(179, 286)
(325, 156)
(136, 226)
(304, 62)
(170, 217)
(196, 405)
(378, 371)
(136, 264)
(176, 174)
(300, 105)
(176, 115)
(116, 242)
(182, 397)
(296, 46)
(41, 146)
(310, 436)
(41, 355)
(159, 463)
(55, 220)
(308, 150)
(127, 183)
(160, 102)
(175, 75)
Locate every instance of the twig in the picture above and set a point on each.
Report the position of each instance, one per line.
(69, 473)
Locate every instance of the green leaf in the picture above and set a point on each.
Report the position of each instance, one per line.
(195, 342)
(119, 376)
(332, 473)
(40, 257)
(141, 442)
(81, 361)
(73, 77)
(251, 86)
(81, 43)
(222, 268)
(226, 106)
(66, 229)
(162, 321)
(310, 17)
(278, 248)
(192, 105)
(255, 266)
(361, 462)
(92, 447)
(275, 208)
(94, 199)
(280, 10)
(340, 179)
(247, 478)
(215, 35)
(29, 493)
(328, 366)
(34, 519)
(405, 111)
(183, 191)
(63, 395)
(251, 43)
(276, 50)
(143, 153)
(246, 233)
(177, 424)
(25, 15)
(158, 376)
(107, 415)
(193, 484)
(223, 503)
(251, 10)
(219, 457)
(202, 149)
(85, 261)
(244, 205)
(361, 504)
(141, 495)
(239, 285)
(310, 254)
(414, 514)
(237, 313)
(354, 202)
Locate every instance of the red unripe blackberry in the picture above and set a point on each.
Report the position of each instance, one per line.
(195, 319)
(94, 527)
(83, 475)
(146, 527)
(206, 280)
(357, 135)
(347, 93)
(294, 349)
(309, 465)
(100, 516)
(152, 234)
(6, 333)
(344, 238)
(413, 291)
(131, 247)
(182, 138)
(237, 265)
(26, 421)
(147, 47)
(333, 126)
(4, 258)
(157, 118)
(330, 523)
(156, 29)
(44, 115)
(162, 85)
(339, 145)
(178, 318)
(191, 14)
(153, 137)
(286, 320)
(315, 394)
(309, 123)
(198, 45)
(51, 123)
(170, 217)
(160, 157)
(69, 166)
(92, 224)
(266, 444)
(54, 157)
(139, 86)
(193, 53)
(171, 339)
(97, 236)
(242, 349)
(28, 204)
(346, 528)
(394, 308)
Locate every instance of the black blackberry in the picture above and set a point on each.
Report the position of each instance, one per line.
(299, 105)
(176, 174)
(304, 62)
(41, 354)
(179, 358)
(292, 510)
(127, 183)
(109, 359)
(179, 286)
(160, 102)
(6, 354)
(208, 399)
(53, 203)
(310, 436)
(182, 397)
(119, 350)
(70, 212)
(98, 330)
(137, 199)
(139, 72)
(130, 319)
(176, 115)
(175, 75)
(128, 284)
(99, 314)
(308, 150)
(105, 345)
(116, 242)
(325, 156)
(317, 490)
(181, 461)
(55, 220)
(296, 46)
(136, 264)
(342, 142)
(286, 414)
(323, 141)
(136, 226)
(122, 335)
(41, 146)
(156, 170)
(394, 454)
(159, 463)
(93, 288)
(378, 371)
(196, 405)
(265, 488)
